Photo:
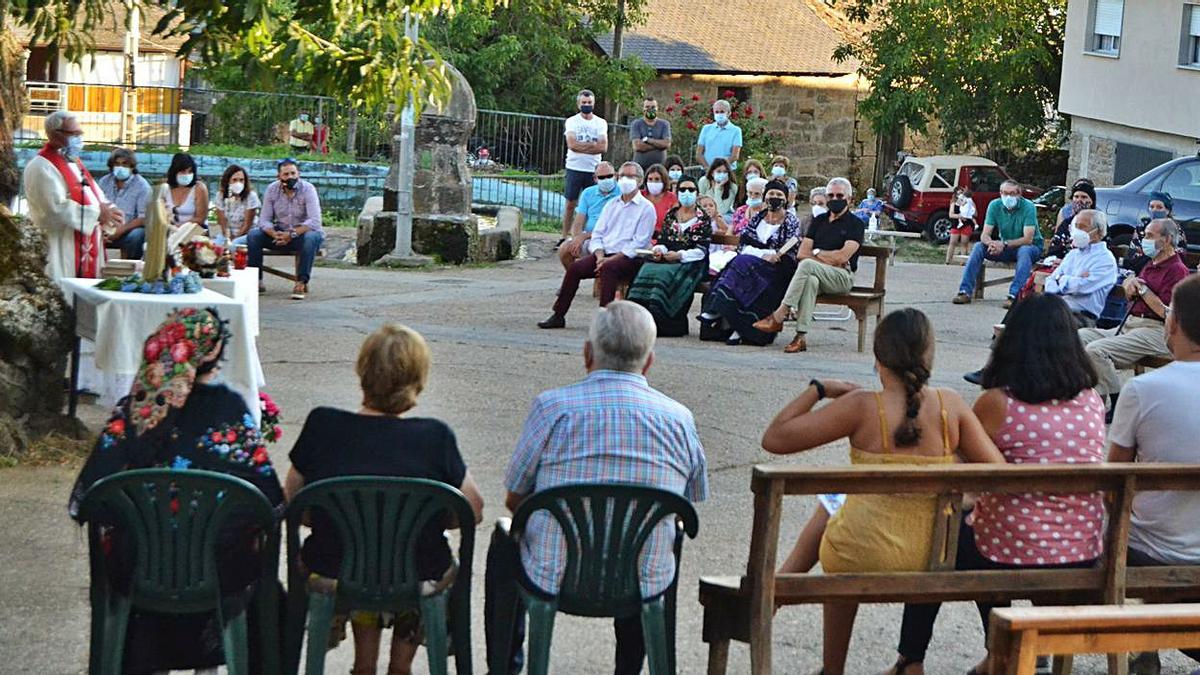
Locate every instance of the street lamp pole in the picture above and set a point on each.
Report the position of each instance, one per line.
(402, 254)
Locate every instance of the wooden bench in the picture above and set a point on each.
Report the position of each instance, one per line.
(862, 300)
(294, 255)
(1018, 635)
(983, 282)
(742, 608)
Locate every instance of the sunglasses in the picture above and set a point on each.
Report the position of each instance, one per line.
(607, 175)
(687, 189)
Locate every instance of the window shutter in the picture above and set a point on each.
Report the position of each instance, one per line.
(1108, 17)
(1194, 27)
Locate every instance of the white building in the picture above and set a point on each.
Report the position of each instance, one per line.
(1131, 84)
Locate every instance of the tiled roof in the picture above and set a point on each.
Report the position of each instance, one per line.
(109, 32)
(775, 37)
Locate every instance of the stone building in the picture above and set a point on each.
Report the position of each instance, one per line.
(779, 57)
(1131, 84)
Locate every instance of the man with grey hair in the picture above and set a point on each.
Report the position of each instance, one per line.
(1010, 234)
(1141, 334)
(828, 259)
(66, 203)
(1088, 272)
(587, 138)
(719, 138)
(612, 427)
(625, 226)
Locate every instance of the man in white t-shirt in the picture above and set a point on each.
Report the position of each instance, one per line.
(1152, 424)
(587, 138)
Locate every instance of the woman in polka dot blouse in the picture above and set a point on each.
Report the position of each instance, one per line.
(1039, 406)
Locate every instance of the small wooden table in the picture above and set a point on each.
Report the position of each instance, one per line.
(1020, 634)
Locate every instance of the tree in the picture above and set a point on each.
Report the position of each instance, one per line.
(986, 73)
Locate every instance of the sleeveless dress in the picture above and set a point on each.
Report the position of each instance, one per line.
(884, 533)
(181, 213)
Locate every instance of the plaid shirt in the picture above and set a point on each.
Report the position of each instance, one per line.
(612, 427)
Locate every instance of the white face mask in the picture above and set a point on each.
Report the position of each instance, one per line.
(720, 177)
(819, 210)
(778, 171)
(654, 187)
(627, 184)
(236, 188)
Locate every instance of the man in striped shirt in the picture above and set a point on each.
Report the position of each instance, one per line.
(612, 427)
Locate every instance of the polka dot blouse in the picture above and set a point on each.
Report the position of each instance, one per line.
(1035, 528)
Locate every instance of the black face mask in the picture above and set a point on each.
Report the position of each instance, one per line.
(836, 206)
(586, 109)
(776, 203)
(291, 183)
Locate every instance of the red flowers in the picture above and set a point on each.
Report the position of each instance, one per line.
(182, 351)
(153, 349)
(261, 456)
(670, 108)
(230, 436)
(761, 116)
(748, 110)
(691, 125)
(145, 411)
(217, 437)
(116, 427)
(695, 97)
(728, 93)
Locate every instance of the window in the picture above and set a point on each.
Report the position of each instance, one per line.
(1184, 182)
(943, 179)
(1131, 161)
(1190, 49)
(986, 179)
(914, 171)
(1106, 26)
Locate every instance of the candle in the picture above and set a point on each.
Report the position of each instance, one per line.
(156, 235)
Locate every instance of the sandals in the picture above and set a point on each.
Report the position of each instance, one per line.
(902, 664)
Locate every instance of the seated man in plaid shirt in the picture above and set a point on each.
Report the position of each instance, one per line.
(612, 427)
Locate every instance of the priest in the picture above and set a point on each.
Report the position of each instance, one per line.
(65, 202)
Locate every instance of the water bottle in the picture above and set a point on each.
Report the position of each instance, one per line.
(874, 225)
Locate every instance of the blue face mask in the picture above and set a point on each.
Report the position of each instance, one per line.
(75, 146)
(122, 172)
(184, 179)
(1009, 201)
(720, 118)
(1155, 214)
(753, 202)
(607, 184)
(1150, 248)
(675, 174)
(778, 171)
(687, 198)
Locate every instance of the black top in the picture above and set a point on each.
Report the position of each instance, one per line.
(831, 236)
(337, 443)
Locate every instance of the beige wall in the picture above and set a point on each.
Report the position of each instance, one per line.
(1144, 87)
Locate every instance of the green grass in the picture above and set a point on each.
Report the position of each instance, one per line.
(542, 225)
(268, 152)
(920, 251)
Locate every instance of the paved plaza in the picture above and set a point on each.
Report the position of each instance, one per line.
(489, 362)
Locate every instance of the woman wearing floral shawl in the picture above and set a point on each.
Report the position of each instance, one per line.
(176, 417)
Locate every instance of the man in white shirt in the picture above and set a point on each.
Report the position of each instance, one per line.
(587, 138)
(1153, 423)
(626, 225)
(1088, 272)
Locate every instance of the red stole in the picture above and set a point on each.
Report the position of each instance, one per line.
(89, 249)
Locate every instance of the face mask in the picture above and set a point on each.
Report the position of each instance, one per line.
(1080, 239)
(587, 108)
(870, 195)
(654, 187)
(291, 183)
(778, 171)
(675, 174)
(317, 121)
(1149, 247)
(720, 177)
(837, 206)
(687, 198)
(819, 211)
(776, 203)
(651, 114)
(184, 179)
(720, 118)
(122, 172)
(754, 202)
(304, 118)
(74, 146)
(236, 188)
(627, 184)
(607, 184)
(1009, 201)
(1155, 214)
(750, 175)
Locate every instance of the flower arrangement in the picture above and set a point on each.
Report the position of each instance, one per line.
(188, 282)
(204, 257)
(270, 428)
(688, 113)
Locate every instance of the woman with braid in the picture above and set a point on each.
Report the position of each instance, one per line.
(1039, 406)
(906, 422)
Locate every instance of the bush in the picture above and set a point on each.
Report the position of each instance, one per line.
(688, 113)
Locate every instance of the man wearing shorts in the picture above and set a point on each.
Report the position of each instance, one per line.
(587, 138)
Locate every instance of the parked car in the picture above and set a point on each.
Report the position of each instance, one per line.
(1126, 204)
(919, 194)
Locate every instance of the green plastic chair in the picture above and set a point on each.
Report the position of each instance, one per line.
(605, 527)
(173, 519)
(379, 520)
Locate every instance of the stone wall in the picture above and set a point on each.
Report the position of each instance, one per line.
(1093, 147)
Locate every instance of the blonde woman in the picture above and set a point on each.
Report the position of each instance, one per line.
(381, 439)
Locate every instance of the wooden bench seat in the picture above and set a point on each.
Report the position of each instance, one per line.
(1018, 635)
(983, 282)
(742, 608)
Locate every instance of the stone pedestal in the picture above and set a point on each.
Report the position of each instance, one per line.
(451, 239)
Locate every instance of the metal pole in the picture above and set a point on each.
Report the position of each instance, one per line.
(403, 253)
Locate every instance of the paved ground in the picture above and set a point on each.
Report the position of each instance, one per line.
(489, 362)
